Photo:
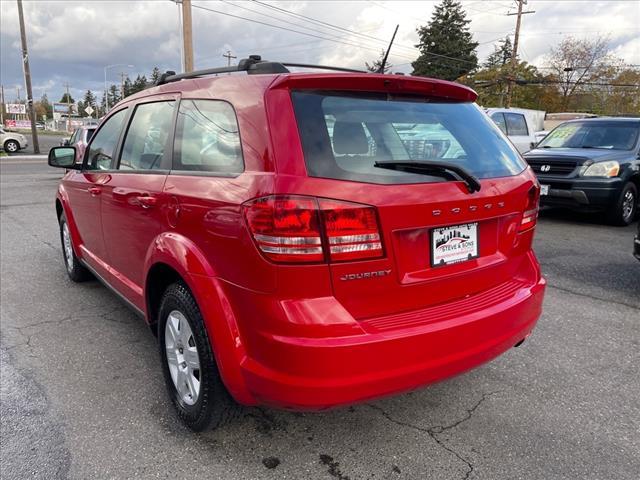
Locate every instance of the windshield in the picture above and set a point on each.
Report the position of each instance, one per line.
(343, 136)
(606, 135)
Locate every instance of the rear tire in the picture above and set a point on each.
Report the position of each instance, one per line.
(76, 271)
(189, 367)
(624, 210)
(11, 146)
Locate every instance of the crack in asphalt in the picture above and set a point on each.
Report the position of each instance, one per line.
(434, 431)
(592, 297)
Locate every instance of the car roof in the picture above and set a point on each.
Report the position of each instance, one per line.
(605, 120)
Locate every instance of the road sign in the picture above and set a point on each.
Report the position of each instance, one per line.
(89, 110)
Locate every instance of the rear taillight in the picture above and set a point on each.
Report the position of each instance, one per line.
(530, 215)
(352, 230)
(285, 228)
(299, 229)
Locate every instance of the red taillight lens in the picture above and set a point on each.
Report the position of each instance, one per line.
(352, 230)
(530, 215)
(287, 229)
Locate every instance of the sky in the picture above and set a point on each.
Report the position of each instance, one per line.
(71, 42)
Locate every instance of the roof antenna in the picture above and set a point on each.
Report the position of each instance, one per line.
(386, 55)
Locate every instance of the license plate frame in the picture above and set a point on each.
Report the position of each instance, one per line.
(452, 251)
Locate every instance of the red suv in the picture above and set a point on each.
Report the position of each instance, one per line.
(306, 240)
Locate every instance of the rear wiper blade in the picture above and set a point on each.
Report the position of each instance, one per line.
(422, 167)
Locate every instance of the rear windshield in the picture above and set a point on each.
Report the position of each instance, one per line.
(343, 135)
(604, 135)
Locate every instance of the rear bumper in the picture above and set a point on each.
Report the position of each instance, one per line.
(578, 193)
(318, 373)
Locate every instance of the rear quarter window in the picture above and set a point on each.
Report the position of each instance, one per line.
(343, 135)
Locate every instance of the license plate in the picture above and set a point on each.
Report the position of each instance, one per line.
(544, 189)
(454, 244)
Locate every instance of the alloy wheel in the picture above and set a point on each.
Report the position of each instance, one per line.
(628, 205)
(68, 248)
(182, 357)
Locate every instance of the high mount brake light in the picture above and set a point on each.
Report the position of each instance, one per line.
(530, 215)
(298, 229)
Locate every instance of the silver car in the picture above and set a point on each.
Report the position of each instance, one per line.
(12, 141)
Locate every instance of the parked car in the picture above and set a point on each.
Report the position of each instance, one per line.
(12, 141)
(79, 139)
(279, 239)
(636, 244)
(40, 126)
(524, 127)
(591, 165)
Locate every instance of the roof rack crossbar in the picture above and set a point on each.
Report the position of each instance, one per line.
(252, 65)
(323, 67)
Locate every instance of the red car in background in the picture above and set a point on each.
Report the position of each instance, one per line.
(79, 139)
(285, 246)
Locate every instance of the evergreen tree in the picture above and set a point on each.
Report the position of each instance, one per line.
(127, 86)
(155, 75)
(447, 49)
(89, 100)
(113, 95)
(375, 66)
(501, 54)
(67, 98)
(139, 84)
(81, 106)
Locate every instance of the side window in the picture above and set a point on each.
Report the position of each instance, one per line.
(74, 138)
(516, 124)
(104, 142)
(207, 138)
(146, 137)
(498, 119)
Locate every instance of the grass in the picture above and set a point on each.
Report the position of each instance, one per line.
(25, 131)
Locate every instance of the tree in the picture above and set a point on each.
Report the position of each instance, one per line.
(89, 100)
(113, 95)
(375, 66)
(155, 75)
(67, 98)
(575, 63)
(48, 108)
(501, 54)
(447, 49)
(126, 87)
(139, 84)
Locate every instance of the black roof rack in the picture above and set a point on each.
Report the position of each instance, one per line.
(252, 65)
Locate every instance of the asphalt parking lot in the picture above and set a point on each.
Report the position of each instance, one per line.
(82, 394)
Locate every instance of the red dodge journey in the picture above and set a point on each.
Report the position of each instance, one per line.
(305, 240)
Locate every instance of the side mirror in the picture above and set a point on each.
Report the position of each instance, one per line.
(63, 157)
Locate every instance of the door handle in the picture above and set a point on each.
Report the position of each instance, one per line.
(94, 190)
(147, 201)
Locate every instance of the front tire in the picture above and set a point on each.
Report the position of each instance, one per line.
(190, 371)
(76, 271)
(624, 210)
(11, 146)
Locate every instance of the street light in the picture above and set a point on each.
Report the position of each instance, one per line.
(106, 96)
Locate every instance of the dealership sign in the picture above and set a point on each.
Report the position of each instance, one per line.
(61, 107)
(16, 108)
(17, 123)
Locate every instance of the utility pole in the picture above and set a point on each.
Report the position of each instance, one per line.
(228, 56)
(27, 80)
(187, 36)
(2, 107)
(514, 53)
(68, 108)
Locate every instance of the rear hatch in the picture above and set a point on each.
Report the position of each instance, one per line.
(416, 158)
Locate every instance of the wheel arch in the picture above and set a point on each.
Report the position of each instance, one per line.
(174, 258)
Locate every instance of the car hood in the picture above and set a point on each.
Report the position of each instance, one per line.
(593, 154)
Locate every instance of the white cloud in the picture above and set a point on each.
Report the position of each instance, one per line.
(71, 41)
